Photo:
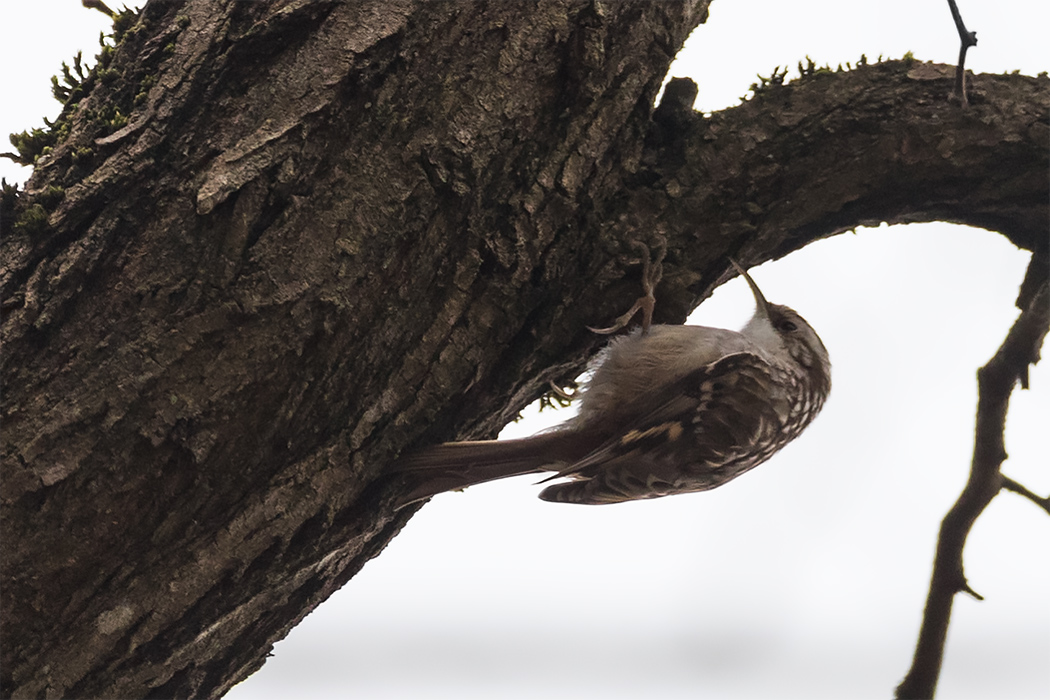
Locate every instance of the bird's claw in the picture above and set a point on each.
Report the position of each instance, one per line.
(652, 272)
(562, 392)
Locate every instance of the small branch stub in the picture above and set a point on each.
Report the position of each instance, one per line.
(966, 40)
(1011, 485)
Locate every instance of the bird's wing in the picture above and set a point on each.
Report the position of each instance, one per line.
(703, 431)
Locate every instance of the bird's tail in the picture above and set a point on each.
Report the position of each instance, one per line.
(456, 465)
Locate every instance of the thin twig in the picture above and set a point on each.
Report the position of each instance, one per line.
(996, 382)
(1011, 485)
(966, 40)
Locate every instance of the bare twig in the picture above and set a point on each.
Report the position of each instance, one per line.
(966, 39)
(1011, 485)
(995, 382)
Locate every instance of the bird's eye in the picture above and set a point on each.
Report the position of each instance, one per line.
(788, 326)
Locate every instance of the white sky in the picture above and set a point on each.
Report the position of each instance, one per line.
(803, 579)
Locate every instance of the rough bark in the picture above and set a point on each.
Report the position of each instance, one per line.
(330, 231)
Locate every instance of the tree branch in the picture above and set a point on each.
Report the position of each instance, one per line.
(995, 381)
(966, 39)
(1011, 485)
(831, 151)
(205, 367)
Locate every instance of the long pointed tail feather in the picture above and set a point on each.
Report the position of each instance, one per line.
(456, 465)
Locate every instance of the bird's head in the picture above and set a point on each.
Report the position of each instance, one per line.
(782, 333)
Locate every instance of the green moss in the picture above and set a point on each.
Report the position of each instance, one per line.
(106, 50)
(108, 76)
(774, 80)
(33, 220)
(123, 23)
(118, 121)
(147, 83)
(73, 84)
(82, 154)
(30, 144)
(59, 91)
(50, 198)
(78, 66)
(9, 195)
(60, 128)
(72, 87)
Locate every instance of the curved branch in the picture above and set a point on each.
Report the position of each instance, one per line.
(996, 382)
(832, 151)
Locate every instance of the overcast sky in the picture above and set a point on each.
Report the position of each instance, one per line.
(802, 579)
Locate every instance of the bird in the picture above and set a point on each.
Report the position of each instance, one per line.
(668, 409)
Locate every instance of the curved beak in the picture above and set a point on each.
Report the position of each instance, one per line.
(761, 305)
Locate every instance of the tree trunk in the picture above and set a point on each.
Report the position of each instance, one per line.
(327, 232)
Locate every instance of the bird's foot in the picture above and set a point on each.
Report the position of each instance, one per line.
(652, 272)
(563, 393)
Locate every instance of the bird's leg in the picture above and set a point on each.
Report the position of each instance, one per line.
(652, 271)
